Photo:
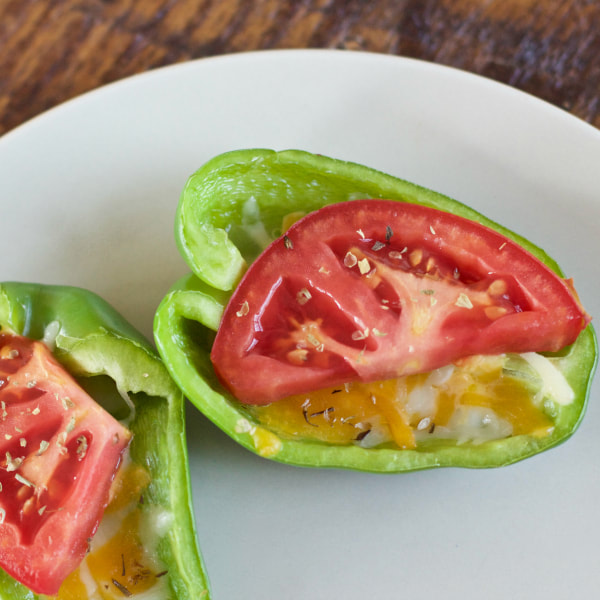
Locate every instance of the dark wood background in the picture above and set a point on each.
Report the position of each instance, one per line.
(53, 50)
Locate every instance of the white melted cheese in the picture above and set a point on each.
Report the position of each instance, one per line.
(50, 333)
(474, 424)
(91, 587)
(252, 223)
(555, 385)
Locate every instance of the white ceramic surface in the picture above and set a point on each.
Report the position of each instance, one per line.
(88, 193)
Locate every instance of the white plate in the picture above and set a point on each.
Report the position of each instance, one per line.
(89, 191)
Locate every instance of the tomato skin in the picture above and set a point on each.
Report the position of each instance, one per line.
(374, 289)
(59, 452)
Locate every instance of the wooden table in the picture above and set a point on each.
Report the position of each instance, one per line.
(53, 50)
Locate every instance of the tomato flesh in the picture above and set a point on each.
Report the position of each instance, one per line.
(370, 290)
(59, 452)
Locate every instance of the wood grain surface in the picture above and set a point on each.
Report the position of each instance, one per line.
(53, 50)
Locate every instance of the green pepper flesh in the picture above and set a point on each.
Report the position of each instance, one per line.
(229, 210)
(96, 344)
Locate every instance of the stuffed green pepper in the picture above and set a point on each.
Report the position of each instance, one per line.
(94, 487)
(337, 316)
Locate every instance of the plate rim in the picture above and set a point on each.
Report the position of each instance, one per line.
(469, 78)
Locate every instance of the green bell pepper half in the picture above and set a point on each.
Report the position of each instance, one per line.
(108, 356)
(230, 209)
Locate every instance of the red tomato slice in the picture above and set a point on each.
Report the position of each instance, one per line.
(59, 452)
(374, 289)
